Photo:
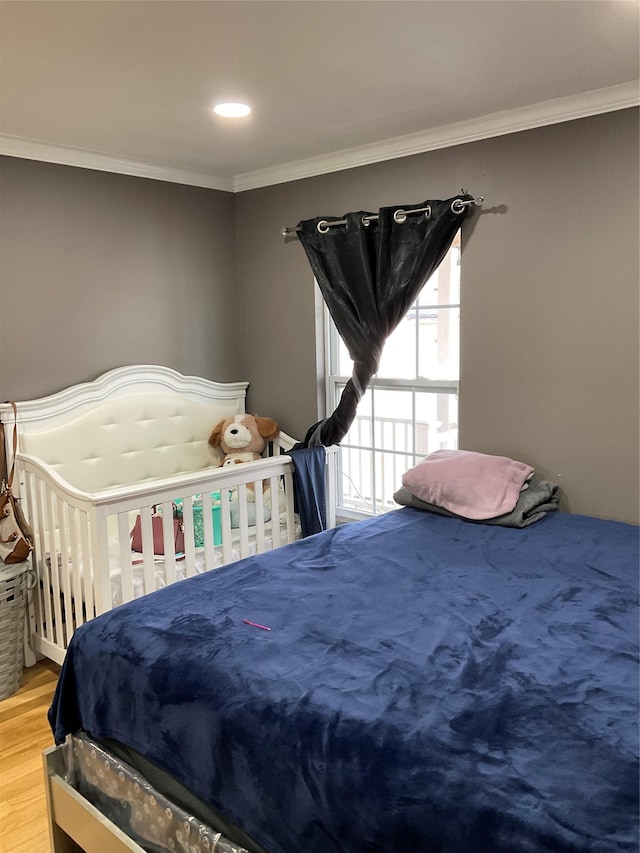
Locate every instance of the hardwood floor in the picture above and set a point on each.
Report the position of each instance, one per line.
(24, 733)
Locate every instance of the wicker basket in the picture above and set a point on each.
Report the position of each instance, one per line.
(14, 581)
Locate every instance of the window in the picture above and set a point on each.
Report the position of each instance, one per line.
(411, 407)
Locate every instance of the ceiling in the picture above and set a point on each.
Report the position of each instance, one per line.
(128, 85)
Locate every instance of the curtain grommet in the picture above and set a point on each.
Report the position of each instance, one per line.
(400, 215)
(323, 226)
(458, 205)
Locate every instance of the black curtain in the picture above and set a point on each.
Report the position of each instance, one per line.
(370, 270)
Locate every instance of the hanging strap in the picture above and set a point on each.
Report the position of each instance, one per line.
(3, 458)
(6, 477)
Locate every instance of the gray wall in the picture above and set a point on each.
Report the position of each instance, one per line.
(549, 362)
(106, 270)
(109, 270)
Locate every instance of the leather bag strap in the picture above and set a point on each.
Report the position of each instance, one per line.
(3, 458)
(6, 476)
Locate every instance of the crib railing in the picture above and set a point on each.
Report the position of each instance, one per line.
(83, 555)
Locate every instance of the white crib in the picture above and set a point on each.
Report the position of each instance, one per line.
(94, 457)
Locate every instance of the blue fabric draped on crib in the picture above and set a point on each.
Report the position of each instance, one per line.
(309, 488)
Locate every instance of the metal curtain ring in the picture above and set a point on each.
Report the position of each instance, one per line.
(323, 226)
(427, 212)
(400, 216)
(366, 220)
(457, 205)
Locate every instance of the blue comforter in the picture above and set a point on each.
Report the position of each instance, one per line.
(426, 685)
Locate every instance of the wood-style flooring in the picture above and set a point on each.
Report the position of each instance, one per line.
(24, 733)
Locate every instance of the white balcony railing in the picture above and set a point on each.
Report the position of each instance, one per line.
(370, 467)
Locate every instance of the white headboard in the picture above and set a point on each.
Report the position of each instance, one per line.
(131, 424)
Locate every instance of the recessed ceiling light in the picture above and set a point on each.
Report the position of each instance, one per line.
(232, 110)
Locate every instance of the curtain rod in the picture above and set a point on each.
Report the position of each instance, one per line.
(457, 206)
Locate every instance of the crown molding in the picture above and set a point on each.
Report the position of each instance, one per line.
(582, 105)
(14, 146)
(559, 110)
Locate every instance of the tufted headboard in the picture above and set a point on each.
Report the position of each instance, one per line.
(131, 424)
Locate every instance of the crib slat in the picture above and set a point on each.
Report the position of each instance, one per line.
(57, 566)
(87, 566)
(38, 604)
(100, 558)
(243, 520)
(66, 628)
(276, 524)
(225, 522)
(169, 543)
(259, 493)
(76, 568)
(126, 565)
(288, 489)
(45, 567)
(207, 527)
(147, 549)
(189, 536)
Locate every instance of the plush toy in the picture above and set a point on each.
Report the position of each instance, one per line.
(242, 438)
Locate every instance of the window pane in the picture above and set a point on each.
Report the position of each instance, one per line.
(439, 336)
(393, 420)
(356, 484)
(360, 432)
(436, 422)
(370, 479)
(345, 365)
(443, 288)
(389, 468)
(399, 354)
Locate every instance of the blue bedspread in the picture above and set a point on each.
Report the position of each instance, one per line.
(426, 685)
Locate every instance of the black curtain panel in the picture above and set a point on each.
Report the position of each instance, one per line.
(370, 268)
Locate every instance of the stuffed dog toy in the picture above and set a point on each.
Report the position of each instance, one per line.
(242, 438)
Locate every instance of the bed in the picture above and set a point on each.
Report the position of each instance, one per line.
(409, 682)
(131, 448)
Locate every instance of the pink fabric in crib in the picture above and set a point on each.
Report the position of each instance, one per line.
(471, 484)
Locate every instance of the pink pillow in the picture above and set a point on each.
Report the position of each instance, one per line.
(473, 485)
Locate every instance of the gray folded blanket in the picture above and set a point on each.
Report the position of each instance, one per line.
(534, 503)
